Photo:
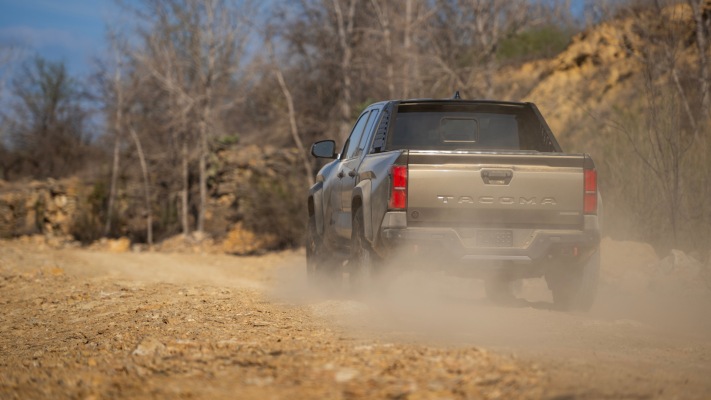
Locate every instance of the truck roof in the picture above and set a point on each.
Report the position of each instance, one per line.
(461, 101)
(458, 101)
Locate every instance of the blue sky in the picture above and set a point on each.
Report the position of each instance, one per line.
(64, 30)
(68, 30)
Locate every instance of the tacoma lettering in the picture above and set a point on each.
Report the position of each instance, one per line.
(505, 200)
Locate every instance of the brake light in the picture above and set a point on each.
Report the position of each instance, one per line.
(398, 188)
(590, 194)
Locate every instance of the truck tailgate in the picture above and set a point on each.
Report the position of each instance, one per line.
(513, 190)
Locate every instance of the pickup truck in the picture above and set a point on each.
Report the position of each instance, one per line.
(480, 189)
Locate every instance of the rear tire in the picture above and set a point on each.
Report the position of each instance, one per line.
(574, 287)
(499, 290)
(364, 263)
(321, 268)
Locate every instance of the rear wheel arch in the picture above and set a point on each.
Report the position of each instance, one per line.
(315, 206)
(310, 206)
(356, 204)
(361, 199)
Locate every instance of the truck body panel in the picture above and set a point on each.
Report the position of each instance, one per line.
(486, 181)
(469, 190)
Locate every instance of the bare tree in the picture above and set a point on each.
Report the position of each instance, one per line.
(702, 28)
(346, 26)
(222, 35)
(8, 55)
(194, 68)
(383, 14)
(463, 38)
(325, 46)
(407, 45)
(667, 139)
(294, 129)
(146, 184)
(596, 11)
(117, 128)
(47, 121)
(117, 104)
(417, 14)
(160, 57)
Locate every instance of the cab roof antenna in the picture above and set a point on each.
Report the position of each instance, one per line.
(457, 96)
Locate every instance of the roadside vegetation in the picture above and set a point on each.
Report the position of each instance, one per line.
(159, 137)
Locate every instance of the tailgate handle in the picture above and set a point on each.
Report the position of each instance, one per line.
(496, 177)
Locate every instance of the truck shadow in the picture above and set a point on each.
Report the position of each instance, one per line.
(512, 302)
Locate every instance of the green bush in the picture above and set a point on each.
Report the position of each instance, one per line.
(546, 41)
(227, 140)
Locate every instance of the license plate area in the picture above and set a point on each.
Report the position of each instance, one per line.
(494, 238)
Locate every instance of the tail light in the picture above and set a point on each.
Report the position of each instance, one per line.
(590, 194)
(398, 187)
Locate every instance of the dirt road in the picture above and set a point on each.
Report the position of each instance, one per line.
(81, 324)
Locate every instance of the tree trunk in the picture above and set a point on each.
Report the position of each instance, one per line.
(345, 29)
(406, 47)
(384, 19)
(206, 102)
(117, 125)
(146, 187)
(203, 177)
(184, 192)
(701, 44)
(112, 188)
(292, 123)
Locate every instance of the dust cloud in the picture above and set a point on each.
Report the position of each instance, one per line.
(641, 303)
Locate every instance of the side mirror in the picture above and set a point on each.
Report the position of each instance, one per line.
(324, 149)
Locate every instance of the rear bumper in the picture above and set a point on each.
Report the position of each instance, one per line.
(529, 245)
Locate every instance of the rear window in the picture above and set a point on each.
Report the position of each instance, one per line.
(467, 126)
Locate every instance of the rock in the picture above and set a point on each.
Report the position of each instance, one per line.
(120, 245)
(627, 265)
(199, 236)
(346, 374)
(679, 274)
(47, 207)
(679, 263)
(242, 241)
(148, 347)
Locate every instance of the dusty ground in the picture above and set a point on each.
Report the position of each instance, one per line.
(82, 324)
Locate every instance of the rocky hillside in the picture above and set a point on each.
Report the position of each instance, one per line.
(240, 218)
(628, 92)
(600, 71)
(594, 73)
(48, 207)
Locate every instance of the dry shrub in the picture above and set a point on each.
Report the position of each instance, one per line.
(274, 204)
(88, 223)
(242, 241)
(660, 197)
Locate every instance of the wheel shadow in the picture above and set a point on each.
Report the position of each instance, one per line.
(510, 302)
